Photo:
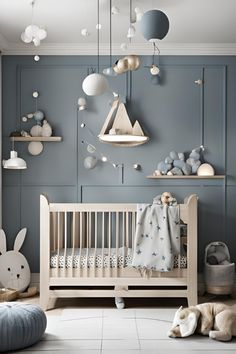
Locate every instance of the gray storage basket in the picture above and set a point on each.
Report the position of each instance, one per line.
(219, 278)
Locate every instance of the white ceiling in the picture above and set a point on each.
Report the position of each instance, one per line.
(208, 25)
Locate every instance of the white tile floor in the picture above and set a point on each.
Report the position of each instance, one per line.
(105, 330)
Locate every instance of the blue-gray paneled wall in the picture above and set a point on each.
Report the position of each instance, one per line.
(175, 112)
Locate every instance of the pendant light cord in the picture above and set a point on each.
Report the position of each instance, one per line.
(32, 12)
(156, 49)
(130, 16)
(110, 34)
(98, 36)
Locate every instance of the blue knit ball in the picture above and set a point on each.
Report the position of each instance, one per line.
(21, 325)
(38, 116)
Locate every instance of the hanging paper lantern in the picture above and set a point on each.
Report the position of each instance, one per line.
(95, 84)
(154, 25)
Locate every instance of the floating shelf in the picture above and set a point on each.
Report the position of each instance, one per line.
(36, 138)
(187, 177)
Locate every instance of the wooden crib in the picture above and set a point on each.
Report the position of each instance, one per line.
(86, 251)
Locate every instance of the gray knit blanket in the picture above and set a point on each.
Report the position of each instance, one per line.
(157, 237)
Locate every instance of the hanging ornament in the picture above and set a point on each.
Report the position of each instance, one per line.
(33, 33)
(154, 25)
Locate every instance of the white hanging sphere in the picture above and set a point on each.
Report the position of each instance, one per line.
(35, 148)
(205, 170)
(123, 46)
(36, 41)
(154, 70)
(84, 32)
(98, 26)
(31, 31)
(139, 16)
(115, 10)
(25, 38)
(36, 58)
(131, 32)
(36, 130)
(82, 101)
(24, 119)
(90, 162)
(42, 34)
(35, 94)
(95, 85)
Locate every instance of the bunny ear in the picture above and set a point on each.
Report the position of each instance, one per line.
(3, 242)
(19, 239)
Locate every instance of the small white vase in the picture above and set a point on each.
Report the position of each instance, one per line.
(46, 128)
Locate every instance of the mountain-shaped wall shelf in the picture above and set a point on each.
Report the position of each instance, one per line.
(118, 130)
(187, 177)
(37, 138)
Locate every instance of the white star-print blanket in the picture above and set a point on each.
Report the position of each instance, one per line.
(157, 237)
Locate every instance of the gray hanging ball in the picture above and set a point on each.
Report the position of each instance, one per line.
(154, 25)
(90, 162)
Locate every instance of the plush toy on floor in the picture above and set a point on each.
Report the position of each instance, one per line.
(213, 319)
(14, 268)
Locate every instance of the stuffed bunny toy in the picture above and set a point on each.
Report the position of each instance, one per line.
(14, 268)
(213, 319)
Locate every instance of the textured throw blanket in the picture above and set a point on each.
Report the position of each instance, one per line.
(157, 237)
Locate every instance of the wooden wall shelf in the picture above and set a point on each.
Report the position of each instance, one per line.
(187, 177)
(37, 138)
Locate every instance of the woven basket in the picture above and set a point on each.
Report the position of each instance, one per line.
(8, 294)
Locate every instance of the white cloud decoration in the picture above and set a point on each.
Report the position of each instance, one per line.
(33, 34)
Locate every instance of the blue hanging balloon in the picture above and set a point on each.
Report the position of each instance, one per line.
(154, 25)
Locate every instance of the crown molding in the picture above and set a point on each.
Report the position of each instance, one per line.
(137, 48)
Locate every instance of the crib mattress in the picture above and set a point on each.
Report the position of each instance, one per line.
(88, 258)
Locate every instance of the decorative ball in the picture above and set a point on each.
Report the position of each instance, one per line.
(21, 325)
(133, 62)
(205, 170)
(123, 46)
(38, 116)
(84, 32)
(121, 66)
(95, 84)
(36, 130)
(90, 162)
(31, 31)
(35, 148)
(25, 38)
(154, 70)
(42, 33)
(154, 25)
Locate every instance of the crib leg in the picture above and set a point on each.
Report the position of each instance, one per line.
(44, 300)
(192, 298)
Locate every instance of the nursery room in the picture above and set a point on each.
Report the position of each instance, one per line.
(118, 178)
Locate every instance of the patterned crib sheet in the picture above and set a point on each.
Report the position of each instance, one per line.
(88, 258)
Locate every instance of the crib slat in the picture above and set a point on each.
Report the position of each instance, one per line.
(96, 240)
(65, 239)
(103, 232)
(109, 243)
(73, 243)
(117, 241)
(123, 238)
(58, 241)
(80, 238)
